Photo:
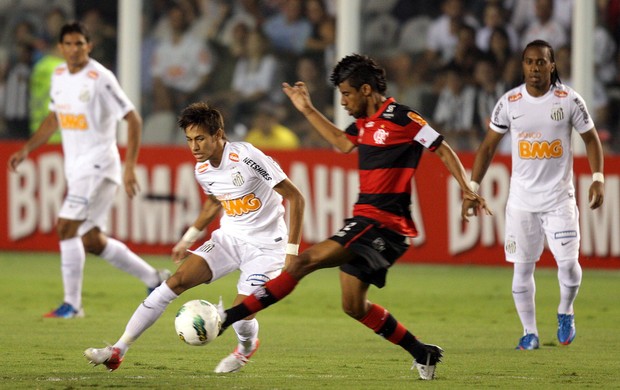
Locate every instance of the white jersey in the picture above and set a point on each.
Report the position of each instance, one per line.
(88, 105)
(542, 155)
(243, 183)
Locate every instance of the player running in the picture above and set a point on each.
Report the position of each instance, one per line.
(539, 115)
(248, 187)
(87, 103)
(390, 138)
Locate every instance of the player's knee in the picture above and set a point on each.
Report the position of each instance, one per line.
(353, 310)
(177, 282)
(93, 244)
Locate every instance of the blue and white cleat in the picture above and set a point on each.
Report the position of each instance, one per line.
(65, 310)
(528, 342)
(163, 275)
(566, 328)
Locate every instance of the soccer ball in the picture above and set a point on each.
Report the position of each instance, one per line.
(198, 322)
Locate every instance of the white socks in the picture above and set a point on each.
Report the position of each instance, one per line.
(524, 293)
(117, 254)
(569, 277)
(72, 259)
(145, 315)
(247, 333)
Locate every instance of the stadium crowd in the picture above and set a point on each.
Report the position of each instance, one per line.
(450, 60)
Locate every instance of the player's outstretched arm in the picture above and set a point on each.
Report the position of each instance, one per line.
(594, 151)
(452, 162)
(300, 97)
(40, 137)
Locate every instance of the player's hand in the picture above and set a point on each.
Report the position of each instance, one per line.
(472, 205)
(288, 259)
(596, 194)
(16, 159)
(179, 252)
(132, 188)
(299, 95)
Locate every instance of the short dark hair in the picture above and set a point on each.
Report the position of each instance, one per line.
(73, 27)
(202, 115)
(359, 70)
(555, 77)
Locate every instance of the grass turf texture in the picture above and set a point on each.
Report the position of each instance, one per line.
(307, 342)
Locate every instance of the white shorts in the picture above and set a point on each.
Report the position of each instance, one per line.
(89, 199)
(257, 264)
(526, 232)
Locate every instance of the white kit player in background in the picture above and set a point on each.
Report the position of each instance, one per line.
(247, 188)
(87, 103)
(539, 115)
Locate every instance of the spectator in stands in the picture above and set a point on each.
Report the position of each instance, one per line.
(544, 27)
(103, 37)
(504, 58)
(454, 112)
(268, 132)
(321, 42)
(181, 65)
(407, 82)
(442, 35)
(288, 30)
(17, 94)
(495, 17)
(466, 53)
(40, 84)
(489, 88)
(253, 79)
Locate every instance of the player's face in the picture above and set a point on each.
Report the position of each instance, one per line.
(75, 49)
(537, 68)
(353, 100)
(203, 145)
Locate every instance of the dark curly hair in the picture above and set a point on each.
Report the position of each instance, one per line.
(202, 115)
(359, 70)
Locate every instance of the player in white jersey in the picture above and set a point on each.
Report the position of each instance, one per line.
(540, 115)
(247, 188)
(87, 103)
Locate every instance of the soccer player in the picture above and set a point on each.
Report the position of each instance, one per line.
(248, 187)
(539, 115)
(86, 104)
(391, 139)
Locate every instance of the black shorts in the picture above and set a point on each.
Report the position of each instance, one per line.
(376, 249)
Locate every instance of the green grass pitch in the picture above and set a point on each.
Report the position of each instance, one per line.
(307, 342)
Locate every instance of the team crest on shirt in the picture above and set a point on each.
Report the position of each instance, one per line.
(557, 114)
(380, 136)
(237, 179)
(84, 95)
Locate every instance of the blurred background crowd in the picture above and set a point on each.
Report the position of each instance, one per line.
(448, 59)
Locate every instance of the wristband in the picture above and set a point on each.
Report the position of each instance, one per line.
(191, 234)
(474, 186)
(598, 176)
(292, 249)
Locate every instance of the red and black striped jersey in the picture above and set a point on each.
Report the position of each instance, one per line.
(390, 145)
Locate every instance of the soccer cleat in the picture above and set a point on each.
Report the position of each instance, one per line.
(162, 274)
(528, 342)
(426, 368)
(66, 310)
(566, 328)
(236, 360)
(108, 356)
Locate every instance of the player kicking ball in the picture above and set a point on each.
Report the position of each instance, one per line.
(247, 188)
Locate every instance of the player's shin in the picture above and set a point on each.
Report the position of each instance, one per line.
(265, 296)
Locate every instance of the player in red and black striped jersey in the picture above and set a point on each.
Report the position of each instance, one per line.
(390, 138)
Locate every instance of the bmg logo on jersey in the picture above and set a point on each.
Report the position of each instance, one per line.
(239, 206)
(538, 150)
(73, 122)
